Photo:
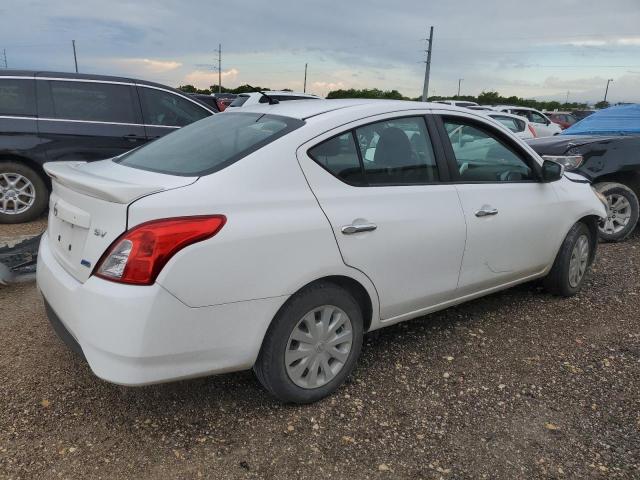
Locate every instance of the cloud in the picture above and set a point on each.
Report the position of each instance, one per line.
(204, 79)
(152, 66)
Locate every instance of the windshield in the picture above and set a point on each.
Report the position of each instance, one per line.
(210, 144)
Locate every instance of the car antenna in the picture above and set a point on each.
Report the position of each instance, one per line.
(272, 101)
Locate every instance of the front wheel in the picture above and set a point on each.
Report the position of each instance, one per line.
(572, 262)
(622, 212)
(312, 345)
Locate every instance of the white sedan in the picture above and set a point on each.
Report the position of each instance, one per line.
(274, 237)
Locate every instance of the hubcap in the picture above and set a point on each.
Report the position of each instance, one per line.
(618, 214)
(318, 346)
(579, 261)
(17, 193)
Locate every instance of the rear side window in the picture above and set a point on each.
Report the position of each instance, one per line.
(164, 108)
(93, 101)
(239, 101)
(391, 152)
(537, 117)
(397, 152)
(210, 145)
(339, 156)
(17, 97)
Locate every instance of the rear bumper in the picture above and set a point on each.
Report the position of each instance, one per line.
(133, 335)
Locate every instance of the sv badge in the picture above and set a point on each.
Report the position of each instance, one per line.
(99, 233)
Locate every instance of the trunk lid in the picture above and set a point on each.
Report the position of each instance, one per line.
(88, 208)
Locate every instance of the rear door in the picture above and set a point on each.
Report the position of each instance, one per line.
(381, 184)
(88, 120)
(165, 111)
(511, 215)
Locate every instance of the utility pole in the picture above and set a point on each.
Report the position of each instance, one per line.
(427, 70)
(304, 88)
(219, 68)
(607, 89)
(4, 54)
(566, 101)
(459, 83)
(75, 58)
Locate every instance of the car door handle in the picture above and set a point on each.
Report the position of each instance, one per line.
(357, 228)
(486, 211)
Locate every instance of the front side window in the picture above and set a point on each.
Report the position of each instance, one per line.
(537, 117)
(92, 101)
(481, 157)
(164, 108)
(17, 97)
(210, 145)
(511, 123)
(397, 152)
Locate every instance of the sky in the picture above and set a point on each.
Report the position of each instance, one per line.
(544, 49)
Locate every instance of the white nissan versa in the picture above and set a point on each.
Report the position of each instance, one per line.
(274, 237)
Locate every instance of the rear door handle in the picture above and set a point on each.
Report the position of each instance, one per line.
(133, 137)
(357, 228)
(486, 211)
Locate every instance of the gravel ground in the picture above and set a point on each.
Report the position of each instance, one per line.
(516, 385)
(10, 234)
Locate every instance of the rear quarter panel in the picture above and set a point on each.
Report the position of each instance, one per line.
(275, 241)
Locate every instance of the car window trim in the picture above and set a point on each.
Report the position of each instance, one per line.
(366, 184)
(504, 140)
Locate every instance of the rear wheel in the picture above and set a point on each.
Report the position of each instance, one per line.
(23, 193)
(572, 262)
(622, 212)
(312, 345)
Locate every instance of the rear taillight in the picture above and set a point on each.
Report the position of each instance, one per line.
(138, 255)
(532, 130)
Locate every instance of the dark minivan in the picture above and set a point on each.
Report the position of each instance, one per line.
(50, 116)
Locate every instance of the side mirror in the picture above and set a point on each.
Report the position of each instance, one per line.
(551, 171)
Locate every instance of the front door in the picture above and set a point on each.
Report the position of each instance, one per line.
(380, 186)
(511, 224)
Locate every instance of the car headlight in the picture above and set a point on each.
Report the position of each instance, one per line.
(570, 162)
(602, 198)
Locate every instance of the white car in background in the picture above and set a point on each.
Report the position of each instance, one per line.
(268, 96)
(543, 126)
(520, 126)
(273, 237)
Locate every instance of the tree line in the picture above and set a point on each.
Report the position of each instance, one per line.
(485, 98)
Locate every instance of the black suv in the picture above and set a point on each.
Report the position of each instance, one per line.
(50, 116)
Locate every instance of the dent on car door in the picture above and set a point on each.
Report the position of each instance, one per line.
(88, 120)
(512, 222)
(164, 111)
(380, 186)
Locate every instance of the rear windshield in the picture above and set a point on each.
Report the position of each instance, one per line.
(210, 144)
(239, 100)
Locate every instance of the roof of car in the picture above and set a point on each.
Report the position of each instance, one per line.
(78, 76)
(280, 93)
(303, 109)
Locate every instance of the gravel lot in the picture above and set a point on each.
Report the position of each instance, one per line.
(516, 385)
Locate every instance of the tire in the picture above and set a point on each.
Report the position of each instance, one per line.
(560, 280)
(26, 206)
(610, 229)
(285, 378)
